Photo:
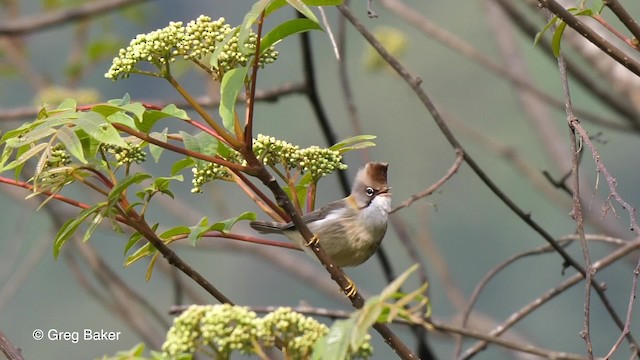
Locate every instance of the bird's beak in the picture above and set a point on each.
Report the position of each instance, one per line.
(385, 191)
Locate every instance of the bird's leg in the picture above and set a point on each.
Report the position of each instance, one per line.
(372, 14)
(313, 241)
(351, 290)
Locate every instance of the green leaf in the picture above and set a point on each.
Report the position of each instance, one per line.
(222, 226)
(274, 6)
(354, 143)
(202, 143)
(248, 21)
(287, 28)
(144, 251)
(117, 190)
(323, 2)
(395, 285)
(178, 230)
(545, 29)
(22, 158)
(70, 227)
(197, 230)
(71, 142)
(230, 87)
(31, 137)
(97, 127)
(335, 345)
(132, 241)
(303, 9)
(121, 118)
(181, 164)
(213, 61)
(93, 225)
(557, 38)
(226, 225)
(175, 112)
(68, 104)
(155, 150)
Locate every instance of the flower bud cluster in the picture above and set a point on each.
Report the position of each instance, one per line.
(315, 160)
(126, 155)
(204, 172)
(228, 328)
(58, 156)
(199, 38)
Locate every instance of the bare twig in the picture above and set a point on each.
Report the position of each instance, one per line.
(625, 17)
(604, 262)
(588, 33)
(45, 21)
(8, 349)
(431, 189)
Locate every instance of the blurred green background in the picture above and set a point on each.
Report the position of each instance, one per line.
(472, 229)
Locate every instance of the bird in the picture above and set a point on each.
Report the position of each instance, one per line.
(351, 229)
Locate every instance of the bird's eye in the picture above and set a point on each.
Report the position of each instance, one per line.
(369, 191)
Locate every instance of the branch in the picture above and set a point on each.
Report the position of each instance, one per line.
(45, 21)
(624, 17)
(8, 349)
(431, 189)
(588, 33)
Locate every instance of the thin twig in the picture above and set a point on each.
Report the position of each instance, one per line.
(26, 25)
(624, 17)
(8, 349)
(588, 33)
(431, 189)
(601, 264)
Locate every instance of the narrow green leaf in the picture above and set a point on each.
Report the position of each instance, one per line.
(93, 225)
(274, 6)
(132, 241)
(71, 142)
(125, 183)
(545, 29)
(303, 9)
(151, 265)
(213, 61)
(248, 21)
(287, 28)
(70, 227)
(144, 251)
(230, 87)
(557, 38)
(22, 158)
(97, 126)
(352, 140)
(178, 230)
(323, 2)
(226, 225)
(31, 137)
(395, 285)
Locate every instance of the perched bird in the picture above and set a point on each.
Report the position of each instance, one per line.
(349, 230)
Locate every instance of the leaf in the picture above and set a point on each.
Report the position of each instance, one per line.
(93, 225)
(132, 241)
(197, 230)
(545, 29)
(151, 265)
(287, 28)
(274, 6)
(155, 150)
(143, 251)
(117, 190)
(31, 137)
(303, 9)
(68, 104)
(71, 142)
(70, 227)
(202, 143)
(352, 140)
(22, 158)
(181, 164)
(213, 61)
(121, 118)
(97, 127)
(335, 345)
(222, 226)
(395, 285)
(323, 2)
(248, 21)
(557, 38)
(230, 87)
(178, 230)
